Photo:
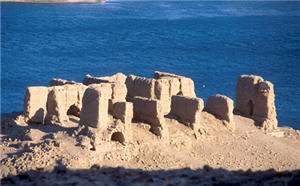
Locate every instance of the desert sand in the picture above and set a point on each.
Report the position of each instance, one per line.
(41, 148)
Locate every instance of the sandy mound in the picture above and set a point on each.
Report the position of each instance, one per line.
(37, 149)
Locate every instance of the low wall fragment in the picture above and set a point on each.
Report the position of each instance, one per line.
(35, 103)
(187, 110)
(150, 110)
(222, 107)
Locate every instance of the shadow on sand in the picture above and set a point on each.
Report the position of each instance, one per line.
(97, 175)
(10, 129)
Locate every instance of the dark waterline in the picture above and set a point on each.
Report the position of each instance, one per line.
(211, 42)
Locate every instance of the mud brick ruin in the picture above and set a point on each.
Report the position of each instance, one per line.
(222, 107)
(255, 98)
(187, 110)
(108, 105)
(150, 110)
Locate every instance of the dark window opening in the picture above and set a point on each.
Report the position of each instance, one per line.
(118, 136)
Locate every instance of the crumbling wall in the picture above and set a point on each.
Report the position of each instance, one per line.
(118, 77)
(222, 107)
(186, 85)
(115, 82)
(161, 90)
(104, 95)
(140, 86)
(187, 110)
(151, 100)
(95, 115)
(264, 108)
(121, 131)
(123, 111)
(119, 92)
(56, 111)
(60, 82)
(94, 112)
(150, 110)
(255, 98)
(174, 85)
(35, 104)
(149, 88)
(60, 99)
(245, 93)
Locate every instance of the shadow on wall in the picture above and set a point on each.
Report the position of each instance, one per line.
(60, 175)
(251, 107)
(38, 116)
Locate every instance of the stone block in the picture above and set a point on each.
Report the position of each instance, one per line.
(222, 107)
(150, 110)
(123, 111)
(94, 111)
(187, 110)
(139, 86)
(35, 104)
(187, 87)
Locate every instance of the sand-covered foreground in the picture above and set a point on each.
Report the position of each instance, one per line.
(33, 150)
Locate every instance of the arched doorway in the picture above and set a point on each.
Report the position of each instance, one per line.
(118, 136)
(74, 111)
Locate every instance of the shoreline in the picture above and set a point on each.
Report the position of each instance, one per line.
(53, 1)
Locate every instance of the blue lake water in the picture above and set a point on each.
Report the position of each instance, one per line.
(211, 42)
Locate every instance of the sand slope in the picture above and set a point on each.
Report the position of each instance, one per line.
(42, 147)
